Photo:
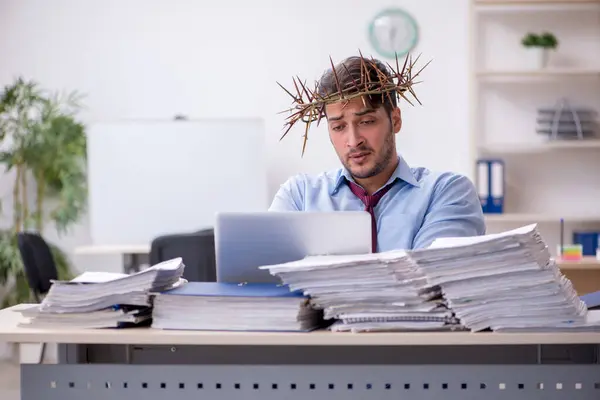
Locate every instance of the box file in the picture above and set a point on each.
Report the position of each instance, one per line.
(491, 185)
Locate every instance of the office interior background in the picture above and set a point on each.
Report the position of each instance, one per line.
(140, 64)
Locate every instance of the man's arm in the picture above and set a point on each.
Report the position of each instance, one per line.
(289, 197)
(455, 210)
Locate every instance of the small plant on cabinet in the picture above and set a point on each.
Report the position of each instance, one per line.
(539, 46)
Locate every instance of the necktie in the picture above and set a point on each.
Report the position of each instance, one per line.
(370, 201)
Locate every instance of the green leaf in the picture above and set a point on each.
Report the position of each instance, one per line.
(41, 136)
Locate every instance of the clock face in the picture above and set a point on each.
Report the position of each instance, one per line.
(393, 31)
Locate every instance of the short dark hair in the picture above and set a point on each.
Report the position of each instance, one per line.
(348, 73)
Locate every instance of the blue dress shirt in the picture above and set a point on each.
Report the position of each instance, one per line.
(420, 207)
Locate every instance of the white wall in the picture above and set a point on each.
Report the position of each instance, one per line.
(149, 59)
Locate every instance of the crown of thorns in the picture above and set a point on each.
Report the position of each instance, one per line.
(308, 105)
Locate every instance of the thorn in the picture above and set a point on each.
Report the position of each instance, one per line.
(351, 77)
(363, 70)
(417, 74)
(288, 92)
(305, 139)
(337, 81)
(321, 113)
(404, 66)
(406, 98)
(298, 91)
(305, 90)
(414, 95)
(289, 126)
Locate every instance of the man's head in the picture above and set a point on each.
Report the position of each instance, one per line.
(362, 129)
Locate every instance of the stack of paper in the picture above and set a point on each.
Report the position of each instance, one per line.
(113, 317)
(502, 282)
(96, 299)
(368, 292)
(234, 307)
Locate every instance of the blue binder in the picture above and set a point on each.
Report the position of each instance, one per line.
(483, 183)
(172, 308)
(590, 241)
(591, 300)
(224, 289)
(491, 185)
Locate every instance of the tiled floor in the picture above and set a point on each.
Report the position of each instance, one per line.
(9, 381)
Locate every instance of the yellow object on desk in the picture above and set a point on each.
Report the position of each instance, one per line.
(572, 252)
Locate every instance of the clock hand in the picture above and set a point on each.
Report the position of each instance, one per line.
(392, 35)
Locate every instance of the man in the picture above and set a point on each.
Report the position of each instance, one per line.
(410, 207)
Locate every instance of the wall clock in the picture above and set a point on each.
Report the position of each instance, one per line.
(393, 31)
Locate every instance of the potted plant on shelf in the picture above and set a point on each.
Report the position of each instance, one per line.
(538, 47)
(43, 146)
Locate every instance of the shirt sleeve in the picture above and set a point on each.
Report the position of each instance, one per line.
(455, 211)
(290, 196)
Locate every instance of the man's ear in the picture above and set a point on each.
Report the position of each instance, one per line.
(396, 120)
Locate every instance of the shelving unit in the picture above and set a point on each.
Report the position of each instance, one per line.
(519, 75)
(536, 148)
(544, 180)
(526, 218)
(521, 6)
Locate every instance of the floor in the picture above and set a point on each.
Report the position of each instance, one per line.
(10, 374)
(9, 381)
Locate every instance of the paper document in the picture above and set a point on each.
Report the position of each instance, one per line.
(103, 299)
(368, 292)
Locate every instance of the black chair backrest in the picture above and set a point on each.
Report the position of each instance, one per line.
(197, 250)
(38, 262)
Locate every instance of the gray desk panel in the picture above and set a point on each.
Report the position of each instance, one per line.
(301, 382)
(276, 355)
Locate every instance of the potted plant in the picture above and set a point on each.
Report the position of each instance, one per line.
(538, 48)
(44, 147)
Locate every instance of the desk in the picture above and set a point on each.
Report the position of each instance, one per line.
(133, 255)
(144, 363)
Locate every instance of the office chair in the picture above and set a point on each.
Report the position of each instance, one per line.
(38, 263)
(39, 266)
(197, 249)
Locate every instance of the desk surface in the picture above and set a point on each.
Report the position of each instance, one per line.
(10, 332)
(113, 249)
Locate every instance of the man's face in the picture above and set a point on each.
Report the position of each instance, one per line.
(363, 138)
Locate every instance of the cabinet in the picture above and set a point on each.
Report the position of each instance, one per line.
(545, 180)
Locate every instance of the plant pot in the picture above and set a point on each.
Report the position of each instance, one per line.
(537, 57)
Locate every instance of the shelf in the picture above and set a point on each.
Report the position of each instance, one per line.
(537, 148)
(518, 6)
(586, 263)
(526, 218)
(536, 75)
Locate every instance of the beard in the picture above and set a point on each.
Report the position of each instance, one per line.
(380, 163)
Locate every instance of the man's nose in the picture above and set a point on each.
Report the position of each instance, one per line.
(354, 139)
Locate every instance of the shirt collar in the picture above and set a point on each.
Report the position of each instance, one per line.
(402, 172)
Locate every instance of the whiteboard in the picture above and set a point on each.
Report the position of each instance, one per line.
(149, 178)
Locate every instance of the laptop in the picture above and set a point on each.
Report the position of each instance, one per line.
(246, 241)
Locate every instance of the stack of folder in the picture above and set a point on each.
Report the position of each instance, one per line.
(504, 282)
(234, 307)
(104, 300)
(368, 292)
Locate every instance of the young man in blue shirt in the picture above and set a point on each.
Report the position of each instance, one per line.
(410, 207)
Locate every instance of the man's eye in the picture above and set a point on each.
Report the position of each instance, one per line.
(370, 121)
(337, 128)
